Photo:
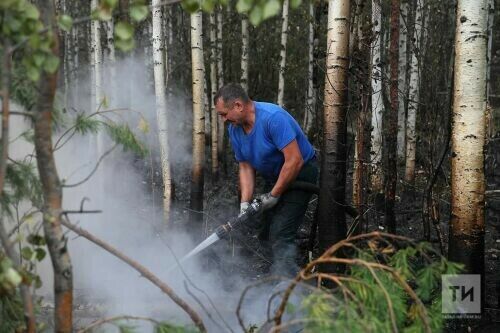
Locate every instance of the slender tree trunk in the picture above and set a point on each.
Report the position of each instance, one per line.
(126, 90)
(27, 299)
(75, 64)
(197, 180)
(111, 59)
(220, 79)
(310, 101)
(403, 36)
(413, 95)
(377, 100)
(284, 36)
(52, 192)
(244, 52)
(161, 105)
(333, 159)
(392, 123)
(466, 236)
(213, 90)
(96, 59)
(491, 17)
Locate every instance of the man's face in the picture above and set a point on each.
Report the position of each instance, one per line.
(231, 111)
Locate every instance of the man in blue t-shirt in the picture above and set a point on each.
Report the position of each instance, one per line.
(265, 138)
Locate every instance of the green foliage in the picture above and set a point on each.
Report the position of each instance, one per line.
(85, 124)
(21, 183)
(171, 328)
(122, 135)
(21, 28)
(373, 293)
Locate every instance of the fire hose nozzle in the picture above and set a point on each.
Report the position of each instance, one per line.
(254, 208)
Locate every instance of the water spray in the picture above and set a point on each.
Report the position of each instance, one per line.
(223, 231)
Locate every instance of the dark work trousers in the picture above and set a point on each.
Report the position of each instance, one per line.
(280, 224)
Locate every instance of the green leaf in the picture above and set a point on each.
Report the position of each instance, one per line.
(271, 8)
(256, 15)
(27, 253)
(31, 12)
(40, 253)
(65, 23)
(208, 5)
(244, 6)
(110, 3)
(190, 6)
(295, 3)
(33, 73)
(51, 64)
(38, 58)
(101, 14)
(124, 31)
(36, 240)
(125, 45)
(139, 13)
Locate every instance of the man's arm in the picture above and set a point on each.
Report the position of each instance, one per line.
(290, 170)
(247, 181)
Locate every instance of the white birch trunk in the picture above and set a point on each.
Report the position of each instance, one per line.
(310, 98)
(213, 90)
(403, 35)
(377, 102)
(468, 136)
(161, 105)
(96, 59)
(198, 76)
(413, 94)
(284, 35)
(111, 59)
(75, 78)
(244, 52)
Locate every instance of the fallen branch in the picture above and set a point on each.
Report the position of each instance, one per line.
(141, 269)
(112, 319)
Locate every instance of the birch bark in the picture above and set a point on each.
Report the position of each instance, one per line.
(466, 236)
(161, 105)
(198, 75)
(284, 36)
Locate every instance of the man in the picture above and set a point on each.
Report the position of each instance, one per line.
(266, 139)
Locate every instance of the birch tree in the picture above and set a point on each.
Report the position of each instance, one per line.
(391, 174)
(95, 59)
(110, 58)
(333, 159)
(466, 235)
(213, 92)
(413, 95)
(161, 104)
(198, 75)
(403, 36)
(310, 98)
(491, 17)
(284, 36)
(377, 102)
(244, 52)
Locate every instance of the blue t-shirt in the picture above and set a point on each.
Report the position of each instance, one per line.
(273, 130)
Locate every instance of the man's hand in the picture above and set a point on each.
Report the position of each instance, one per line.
(268, 201)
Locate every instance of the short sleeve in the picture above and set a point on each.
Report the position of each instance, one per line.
(280, 130)
(235, 145)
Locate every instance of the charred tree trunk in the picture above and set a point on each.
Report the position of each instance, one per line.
(310, 101)
(52, 192)
(197, 180)
(213, 90)
(391, 174)
(331, 216)
(244, 52)
(466, 236)
(403, 60)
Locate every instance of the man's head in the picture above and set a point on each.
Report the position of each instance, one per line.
(230, 103)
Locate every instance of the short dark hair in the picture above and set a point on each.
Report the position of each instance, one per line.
(231, 92)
